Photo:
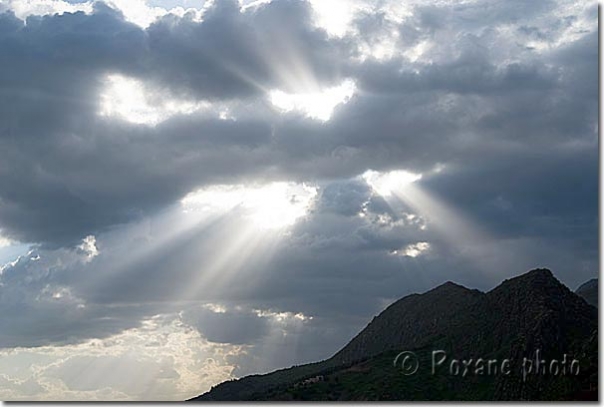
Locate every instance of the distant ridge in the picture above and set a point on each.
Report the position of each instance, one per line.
(589, 291)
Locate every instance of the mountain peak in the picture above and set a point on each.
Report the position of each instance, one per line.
(535, 286)
(411, 321)
(450, 283)
(448, 286)
(530, 311)
(539, 273)
(536, 279)
(545, 272)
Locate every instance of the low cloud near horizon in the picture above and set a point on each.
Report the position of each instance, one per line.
(194, 191)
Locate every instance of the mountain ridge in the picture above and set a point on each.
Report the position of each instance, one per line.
(532, 311)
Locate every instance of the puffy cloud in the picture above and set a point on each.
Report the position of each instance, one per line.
(163, 359)
(86, 172)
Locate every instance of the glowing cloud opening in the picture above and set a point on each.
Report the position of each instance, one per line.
(128, 99)
(412, 250)
(387, 183)
(316, 105)
(334, 16)
(272, 206)
(401, 193)
(4, 241)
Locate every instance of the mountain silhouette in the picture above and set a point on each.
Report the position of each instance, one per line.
(526, 320)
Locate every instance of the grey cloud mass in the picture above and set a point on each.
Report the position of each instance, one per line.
(88, 173)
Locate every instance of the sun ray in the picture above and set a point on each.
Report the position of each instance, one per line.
(247, 240)
(400, 190)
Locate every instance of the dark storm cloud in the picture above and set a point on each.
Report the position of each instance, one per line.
(514, 127)
(345, 198)
(228, 327)
(62, 166)
(70, 173)
(560, 186)
(234, 54)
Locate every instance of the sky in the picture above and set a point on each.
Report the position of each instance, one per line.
(196, 191)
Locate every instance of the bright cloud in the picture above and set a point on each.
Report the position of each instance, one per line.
(385, 183)
(334, 16)
(271, 206)
(25, 8)
(163, 359)
(129, 99)
(5, 241)
(412, 250)
(316, 105)
(88, 246)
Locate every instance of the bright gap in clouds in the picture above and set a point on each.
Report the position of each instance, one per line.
(5, 241)
(401, 192)
(387, 183)
(334, 16)
(129, 99)
(317, 105)
(412, 250)
(273, 206)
